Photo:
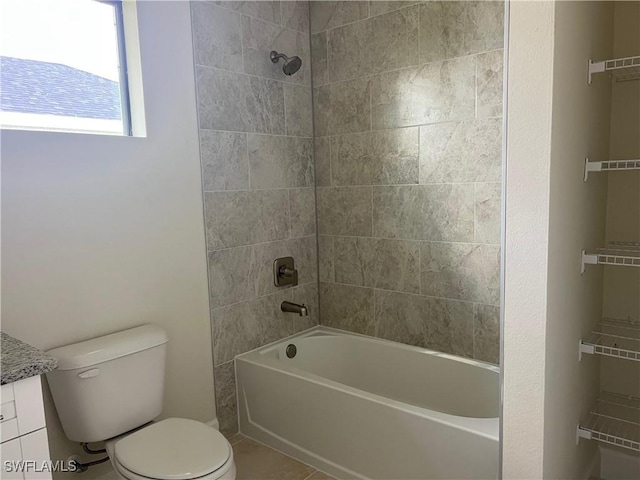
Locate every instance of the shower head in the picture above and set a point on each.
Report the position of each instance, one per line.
(291, 65)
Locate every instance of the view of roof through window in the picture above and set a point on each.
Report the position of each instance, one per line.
(60, 66)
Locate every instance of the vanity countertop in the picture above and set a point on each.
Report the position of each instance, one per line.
(20, 360)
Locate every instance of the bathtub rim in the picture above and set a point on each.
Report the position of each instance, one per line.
(487, 427)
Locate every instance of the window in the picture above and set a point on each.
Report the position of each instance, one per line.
(63, 66)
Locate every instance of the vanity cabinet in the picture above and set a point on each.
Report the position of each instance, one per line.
(24, 433)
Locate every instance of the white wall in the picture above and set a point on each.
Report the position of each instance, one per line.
(577, 218)
(529, 98)
(102, 233)
(554, 121)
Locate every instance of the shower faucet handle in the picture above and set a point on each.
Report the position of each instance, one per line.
(284, 272)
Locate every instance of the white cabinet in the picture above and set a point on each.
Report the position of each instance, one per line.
(24, 434)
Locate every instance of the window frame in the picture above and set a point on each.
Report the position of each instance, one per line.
(125, 100)
(127, 118)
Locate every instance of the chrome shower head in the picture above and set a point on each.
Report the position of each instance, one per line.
(291, 65)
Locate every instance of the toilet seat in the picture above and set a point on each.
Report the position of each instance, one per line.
(173, 449)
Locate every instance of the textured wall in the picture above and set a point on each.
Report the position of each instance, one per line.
(256, 149)
(408, 145)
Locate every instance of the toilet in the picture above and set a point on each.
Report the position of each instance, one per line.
(110, 389)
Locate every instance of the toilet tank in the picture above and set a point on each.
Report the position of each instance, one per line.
(109, 385)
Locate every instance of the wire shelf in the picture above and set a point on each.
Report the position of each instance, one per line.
(615, 419)
(614, 338)
(623, 254)
(622, 69)
(610, 166)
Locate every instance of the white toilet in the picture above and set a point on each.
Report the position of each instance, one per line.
(110, 388)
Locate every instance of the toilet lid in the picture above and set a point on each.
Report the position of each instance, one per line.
(173, 449)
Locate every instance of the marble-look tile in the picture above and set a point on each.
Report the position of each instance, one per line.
(489, 78)
(451, 327)
(469, 151)
(231, 101)
(344, 211)
(461, 271)
(402, 318)
(487, 212)
(304, 252)
(298, 110)
(325, 259)
(230, 276)
(224, 160)
(319, 70)
(216, 36)
(280, 162)
(424, 212)
(459, 28)
(295, 14)
(385, 42)
(302, 202)
(396, 156)
(375, 158)
(255, 461)
(307, 295)
(243, 218)
(322, 156)
(381, 6)
(226, 404)
(486, 333)
(378, 263)
(244, 326)
(342, 108)
(262, 9)
(347, 307)
(331, 14)
(436, 92)
(260, 38)
(351, 162)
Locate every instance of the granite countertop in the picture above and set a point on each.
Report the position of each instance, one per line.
(20, 360)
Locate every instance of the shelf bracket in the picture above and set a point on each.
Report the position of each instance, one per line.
(591, 167)
(585, 348)
(594, 67)
(588, 259)
(582, 433)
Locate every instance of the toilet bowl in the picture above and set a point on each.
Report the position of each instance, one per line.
(172, 449)
(110, 389)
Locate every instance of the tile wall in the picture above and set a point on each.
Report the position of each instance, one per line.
(408, 145)
(256, 142)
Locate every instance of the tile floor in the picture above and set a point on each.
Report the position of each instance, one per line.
(257, 462)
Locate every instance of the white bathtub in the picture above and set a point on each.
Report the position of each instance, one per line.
(358, 407)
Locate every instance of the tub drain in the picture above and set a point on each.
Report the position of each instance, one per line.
(291, 350)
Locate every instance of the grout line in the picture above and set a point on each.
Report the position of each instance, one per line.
(283, 82)
(368, 17)
(439, 242)
(475, 96)
(419, 65)
(262, 243)
(374, 289)
(290, 222)
(311, 474)
(253, 17)
(246, 142)
(401, 127)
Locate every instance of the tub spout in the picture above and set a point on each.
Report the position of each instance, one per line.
(294, 308)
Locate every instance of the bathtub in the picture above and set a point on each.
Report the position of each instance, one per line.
(359, 407)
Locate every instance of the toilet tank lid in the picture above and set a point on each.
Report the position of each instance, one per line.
(108, 347)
